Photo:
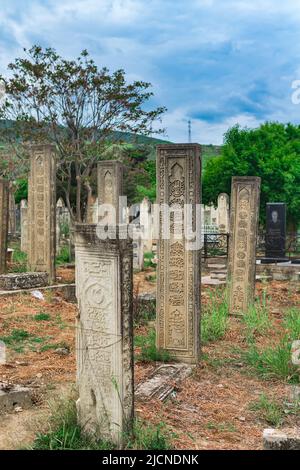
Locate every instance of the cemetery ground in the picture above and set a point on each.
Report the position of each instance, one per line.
(241, 386)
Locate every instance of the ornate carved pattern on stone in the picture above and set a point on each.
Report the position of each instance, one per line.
(178, 284)
(4, 203)
(110, 184)
(245, 195)
(104, 343)
(42, 210)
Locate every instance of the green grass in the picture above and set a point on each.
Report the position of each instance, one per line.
(273, 362)
(214, 321)
(16, 336)
(291, 323)
(268, 410)
(149, 352)
(63, 256)
(19, 259)
(42, 317)
(143, 311)
(257, 320)
(20, 339)
(65, 434)
(148, 260)
(222, 427)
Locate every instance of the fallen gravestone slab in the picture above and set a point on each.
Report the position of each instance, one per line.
(18, 281)
(14, 396)
(285, 439)
(163, 381)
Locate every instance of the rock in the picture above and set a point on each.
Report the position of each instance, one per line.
(18, 409)
(62, 351)
(295, 393)
(13, 397)
(285, 439)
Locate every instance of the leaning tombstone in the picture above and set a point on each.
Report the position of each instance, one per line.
(245, 197)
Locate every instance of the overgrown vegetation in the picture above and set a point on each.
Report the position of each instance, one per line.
(274, 362)
(148, 350)
(19, 260)
(148, 260)
(63, 256)
(214, 320)
(271, 411)
(65, 434)
(257, 319)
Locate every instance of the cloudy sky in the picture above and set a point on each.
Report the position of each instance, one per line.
(215, 62)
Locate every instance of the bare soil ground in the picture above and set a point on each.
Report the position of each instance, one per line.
(210, 410)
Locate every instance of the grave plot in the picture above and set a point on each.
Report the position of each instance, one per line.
(243, 384)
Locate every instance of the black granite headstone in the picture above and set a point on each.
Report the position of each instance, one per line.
(276, 230)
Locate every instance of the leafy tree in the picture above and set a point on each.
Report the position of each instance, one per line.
(79, 108)
(272, 152)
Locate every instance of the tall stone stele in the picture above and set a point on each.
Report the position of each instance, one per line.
(24, 225)
(104, 334)
(110, 187)
(223, 213)
(178, 280)
(245, 197)
(42, 210)
(4, 202)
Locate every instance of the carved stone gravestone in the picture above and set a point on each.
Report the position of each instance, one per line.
(178, 283)
(146, 224)
(276, 230)
(104, 334)
(4, 198)
(223, 212)
(245, 196)
(138, 251)
(24, 225)
(42, 210)
(12, 218)
(110, 187)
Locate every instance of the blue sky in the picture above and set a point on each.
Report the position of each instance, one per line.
(216, 62)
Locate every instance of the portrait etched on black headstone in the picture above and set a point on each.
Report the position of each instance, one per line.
(276, 230)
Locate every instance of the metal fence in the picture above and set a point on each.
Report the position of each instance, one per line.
(215, 245)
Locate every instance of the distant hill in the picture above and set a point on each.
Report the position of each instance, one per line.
(208, 151)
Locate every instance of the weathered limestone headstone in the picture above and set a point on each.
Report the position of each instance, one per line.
(104, 334)
(178, 283)
(110, 187)
(245, 196)
(12, 219)
(223, 212)
(276, 230)
(24, 225)
(42, 210)
(3, 223)
(138, 251)
(146, 224)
